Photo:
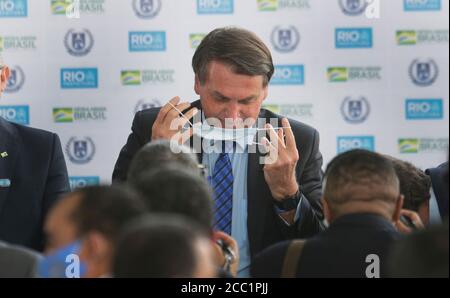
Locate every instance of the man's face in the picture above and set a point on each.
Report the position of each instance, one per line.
(4, 75)
(226, 95)
(59, 227)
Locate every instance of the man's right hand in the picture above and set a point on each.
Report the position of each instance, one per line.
(168, 125)
(219, 255)
(415, 220)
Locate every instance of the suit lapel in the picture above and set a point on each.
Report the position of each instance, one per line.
(194, 140)
(256, 199)
(9, 142)
(258, 194)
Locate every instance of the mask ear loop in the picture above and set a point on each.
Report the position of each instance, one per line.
(265, 129)
(182, 114)
(260, 129)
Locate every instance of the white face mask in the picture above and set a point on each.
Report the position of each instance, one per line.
(245, 136)
(208, 132)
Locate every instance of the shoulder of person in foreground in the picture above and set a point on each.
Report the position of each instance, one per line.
(17, 262)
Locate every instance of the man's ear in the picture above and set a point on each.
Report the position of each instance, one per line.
(327, 211)
(398, 208)
(94, 247)
(265, 92)
(197, 85)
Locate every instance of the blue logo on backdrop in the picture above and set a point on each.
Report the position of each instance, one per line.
(289, 75)
(358, 142)
(81, 181)
(16, 80)
(423, 73)
(78, 78)
(353, 7)
(285, 39)
(422, 5)
(147, 41)
(215, 6)
(146, 9)
(423, 109)
(355, 110)
(13, 8)
(80, 150)
(16, 114)
(79, 42)
(351, 38)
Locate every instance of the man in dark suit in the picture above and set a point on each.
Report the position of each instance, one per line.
(33, 174)
(440, 196)
(362, 203)
(260, 199)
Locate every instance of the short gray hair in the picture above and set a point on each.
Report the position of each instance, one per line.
(156, 154)
(360, 175)
(241, 49)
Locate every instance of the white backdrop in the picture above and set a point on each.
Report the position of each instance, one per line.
(369, 74)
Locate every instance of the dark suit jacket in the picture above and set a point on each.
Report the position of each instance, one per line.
(37, 171)
(439, 181)
(339, 252)
(264, 226)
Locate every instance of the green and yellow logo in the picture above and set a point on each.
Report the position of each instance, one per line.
(131, 77)
(408, 145)
(60, 6)
(195, 39)
(405, 38)
(337, 74)
(63, 115)
(267, 5)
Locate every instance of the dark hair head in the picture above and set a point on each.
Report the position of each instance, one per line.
(422, 255)
(171, 189)
(106, 209)
(159, 153)
(360, 175)
(158, 246)
(238, 48)
(414, 184)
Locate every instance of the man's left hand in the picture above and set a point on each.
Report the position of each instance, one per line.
(281, 162)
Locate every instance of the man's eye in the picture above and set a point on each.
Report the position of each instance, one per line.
(246, 102)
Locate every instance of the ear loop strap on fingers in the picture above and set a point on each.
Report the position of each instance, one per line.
(181, 113)
(274, 128)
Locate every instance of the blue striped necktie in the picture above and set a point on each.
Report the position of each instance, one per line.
(222, 183)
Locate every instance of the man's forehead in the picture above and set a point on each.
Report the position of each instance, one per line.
(240, 88)
(243, 96)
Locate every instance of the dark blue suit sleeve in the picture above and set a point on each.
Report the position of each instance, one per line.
(135, 141)
(57, 180)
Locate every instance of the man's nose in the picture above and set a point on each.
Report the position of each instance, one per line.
(233, 111)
